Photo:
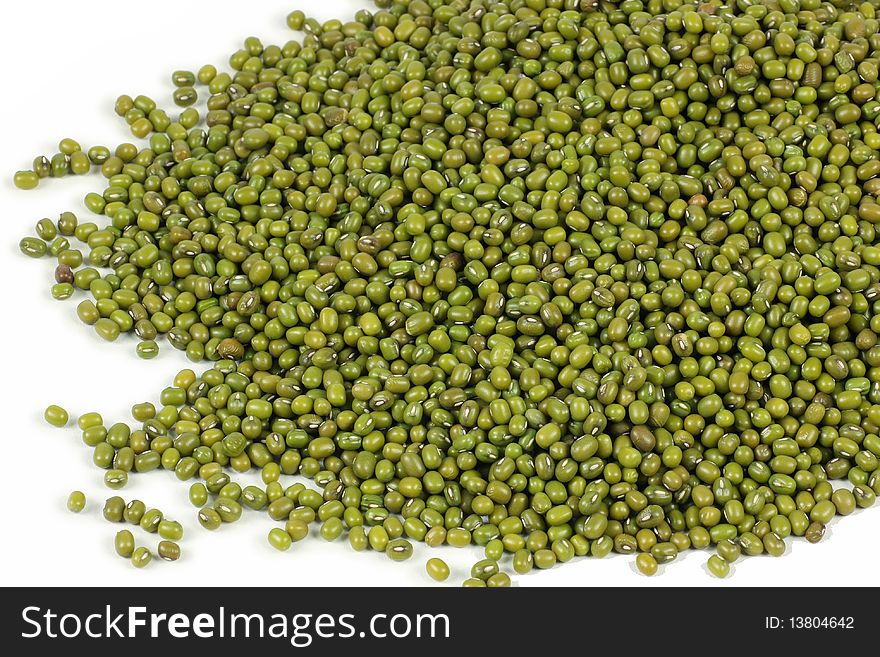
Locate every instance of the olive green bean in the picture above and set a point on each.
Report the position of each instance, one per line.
(76, 501)
(553, 279)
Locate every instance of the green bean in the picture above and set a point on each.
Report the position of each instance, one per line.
(147, 349)
(357, 538)
(141, 557)
(399, 549)
(437, 569)
(62, 291)
(115, 479)
(26, 179)
(168, 550)
(134, 512)
(151, 520)
(33, 247)
(815, 532)
(170, 530)
(209, 518)
(56, 416)
(183, 78)
(646, 564)
(76, 502)
(114, 507)
(124, 543)
(279, 539)
(198, 494)
(718, 566)
(484, 569)
(332, 529)
(498, 580)
(548, 281)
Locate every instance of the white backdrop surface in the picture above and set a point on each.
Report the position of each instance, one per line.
(64, 65)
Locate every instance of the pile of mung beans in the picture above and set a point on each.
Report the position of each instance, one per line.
(557, 278)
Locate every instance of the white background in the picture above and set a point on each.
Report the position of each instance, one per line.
(64, 63)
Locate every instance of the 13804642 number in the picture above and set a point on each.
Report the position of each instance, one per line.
(821, 622)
